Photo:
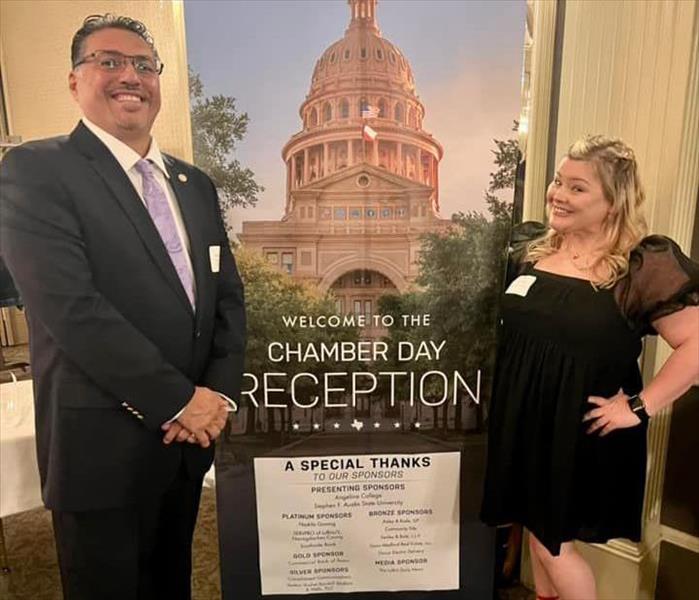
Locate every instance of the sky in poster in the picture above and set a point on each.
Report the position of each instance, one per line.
(466, 57)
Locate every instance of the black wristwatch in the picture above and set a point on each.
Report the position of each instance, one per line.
(638, 408)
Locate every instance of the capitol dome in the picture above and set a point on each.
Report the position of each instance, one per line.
(362, 108)
(363, 53)
(362, 69)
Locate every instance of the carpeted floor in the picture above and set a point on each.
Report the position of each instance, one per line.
(34, 569)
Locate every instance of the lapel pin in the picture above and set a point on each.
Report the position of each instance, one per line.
(182, 177)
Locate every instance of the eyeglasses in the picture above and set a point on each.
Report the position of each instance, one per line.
(115, 62)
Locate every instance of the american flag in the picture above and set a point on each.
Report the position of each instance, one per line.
(369, 112)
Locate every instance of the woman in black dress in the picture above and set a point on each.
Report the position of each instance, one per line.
(568, 420)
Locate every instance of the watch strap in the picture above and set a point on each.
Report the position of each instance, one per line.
(638, 407)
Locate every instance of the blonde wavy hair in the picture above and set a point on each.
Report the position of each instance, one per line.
(617, 169)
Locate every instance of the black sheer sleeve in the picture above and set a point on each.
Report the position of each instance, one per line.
(661, 281)
(521, 235)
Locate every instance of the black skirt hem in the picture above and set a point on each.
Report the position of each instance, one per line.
(554, 546)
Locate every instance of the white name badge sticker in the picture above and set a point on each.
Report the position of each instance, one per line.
(521, 285)
(215, 258)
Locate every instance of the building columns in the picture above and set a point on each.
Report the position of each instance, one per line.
(541, 84)
(293, 171)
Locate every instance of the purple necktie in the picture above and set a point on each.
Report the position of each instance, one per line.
(159, 210)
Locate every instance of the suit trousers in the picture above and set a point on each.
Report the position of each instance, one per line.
(141, 552)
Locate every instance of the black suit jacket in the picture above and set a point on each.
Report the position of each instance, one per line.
(116, 348)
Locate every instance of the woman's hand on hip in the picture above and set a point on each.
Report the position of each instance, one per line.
(610, 414)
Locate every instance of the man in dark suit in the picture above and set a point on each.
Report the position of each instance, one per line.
(136, 319)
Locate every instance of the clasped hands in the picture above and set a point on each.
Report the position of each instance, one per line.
(201, 421)
(610, 414)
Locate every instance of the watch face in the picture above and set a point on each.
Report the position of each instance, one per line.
(638, 408)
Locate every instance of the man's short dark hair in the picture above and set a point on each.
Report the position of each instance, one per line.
(107, 21)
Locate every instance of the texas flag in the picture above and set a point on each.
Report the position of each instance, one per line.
(368, 133)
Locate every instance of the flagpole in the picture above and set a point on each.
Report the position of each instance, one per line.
(364, 155)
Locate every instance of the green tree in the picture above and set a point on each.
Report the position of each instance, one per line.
(269, 295)
(216, 128)
(506, 159)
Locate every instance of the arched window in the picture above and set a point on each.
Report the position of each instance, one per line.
(382, 108)
(412, 121)
(313, 121)
(344, 108)
(398, 113)
(327, 112)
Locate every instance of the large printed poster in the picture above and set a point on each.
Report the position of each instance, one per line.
(368, 198)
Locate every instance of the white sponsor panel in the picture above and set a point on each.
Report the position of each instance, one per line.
(360, 523)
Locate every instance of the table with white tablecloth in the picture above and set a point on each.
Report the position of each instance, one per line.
(20, 489)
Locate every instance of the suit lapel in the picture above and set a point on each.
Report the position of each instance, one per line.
(190, 207)
(119, 184)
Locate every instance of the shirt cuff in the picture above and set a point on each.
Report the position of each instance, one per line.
(179, 412)
(232, 404)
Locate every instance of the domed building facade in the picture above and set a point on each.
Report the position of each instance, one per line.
(362, 180)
